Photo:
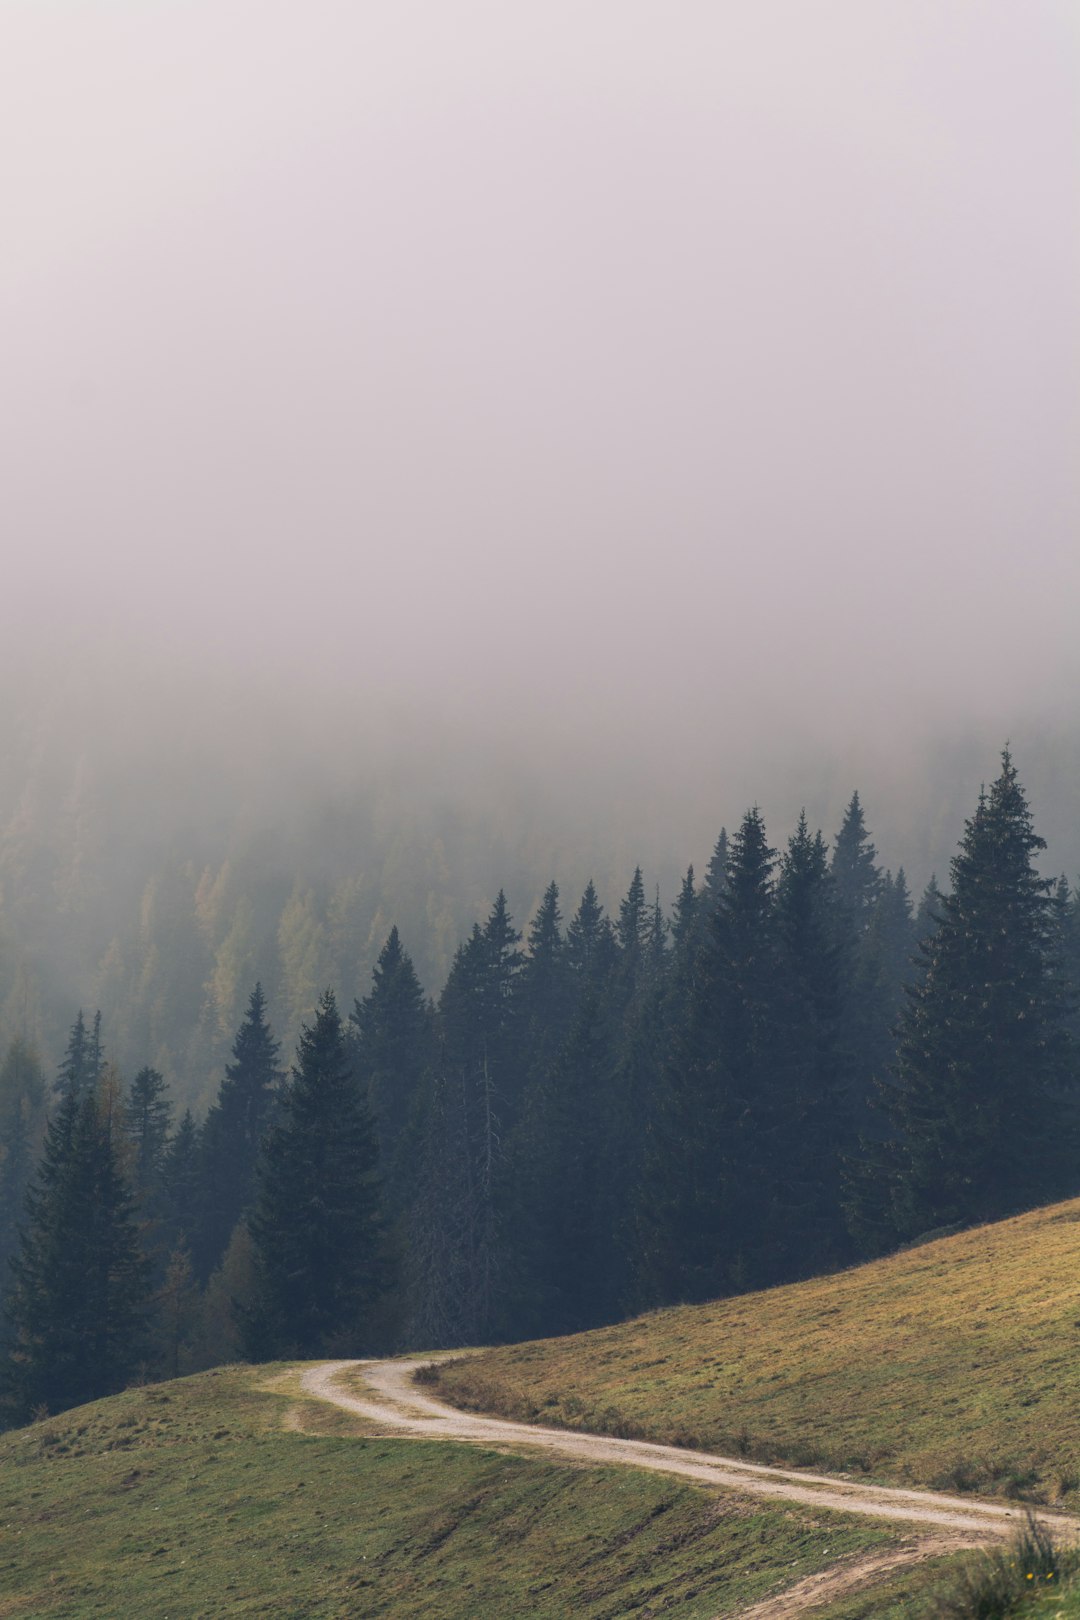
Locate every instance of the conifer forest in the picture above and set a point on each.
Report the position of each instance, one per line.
(796, 1065)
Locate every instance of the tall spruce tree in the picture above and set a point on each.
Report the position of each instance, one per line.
(22, 1127)
(395, 1049)
(590, 940)
(147, 1119)
(316, 1224)
(709, 1213)
(854, 870)
(77, 1310)
(982, 1111)
(83, 1059)
(233, 1133)
(812, 1128)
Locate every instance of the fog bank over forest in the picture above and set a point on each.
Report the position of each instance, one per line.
(448, 447)
(159, 850)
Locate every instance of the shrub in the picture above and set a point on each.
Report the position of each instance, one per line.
(1002, 1583)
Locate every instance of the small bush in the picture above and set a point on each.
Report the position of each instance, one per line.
(1002, 1583)
(961, 1475)
(430, 1373)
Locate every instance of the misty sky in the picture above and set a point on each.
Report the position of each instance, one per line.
(679, 371)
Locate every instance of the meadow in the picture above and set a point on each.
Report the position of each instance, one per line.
(954, 1364)
(229, 1494)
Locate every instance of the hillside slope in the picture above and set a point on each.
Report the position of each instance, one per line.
(955, 1364)
(227, 1494)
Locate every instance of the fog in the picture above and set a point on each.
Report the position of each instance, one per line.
(606, 414)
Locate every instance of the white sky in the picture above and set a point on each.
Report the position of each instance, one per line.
(686, 370)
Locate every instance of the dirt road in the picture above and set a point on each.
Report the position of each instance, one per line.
(384, 1393)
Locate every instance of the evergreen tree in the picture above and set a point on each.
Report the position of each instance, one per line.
(22, 1126)
(686, 908)
(83, 1059)
(656, 944)
(76, 1312)
(1070, 962)
(632, 928)
(709, 1212)
(316, 1223)
(590, 941)
(716, 873)
(545, 990)
(981, 1113)
(233, 1133)
(181, 1184)
(813, 1127)
(928, 913)
(147, 1118)
(562, 1183)
(854, 871)
(394, 1051)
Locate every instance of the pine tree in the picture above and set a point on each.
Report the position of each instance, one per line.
(77, 1071)
(928, 912)
(813, 1128)
(590, 941)
(854, 870)
(716, 873)
(686, 908)
(562, 1183)
(981, 1113)
(22, 1127)
(147, 1119)
(545, 991)
(233, 1133)
(76, 1313)
(316, 1223)
(709, 1212)
(181, 1181)
(394, 1050)
(632, 928)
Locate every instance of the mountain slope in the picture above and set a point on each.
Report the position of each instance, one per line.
(227, 1494)
(955, 1364)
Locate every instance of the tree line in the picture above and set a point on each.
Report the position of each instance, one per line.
(794, 1069)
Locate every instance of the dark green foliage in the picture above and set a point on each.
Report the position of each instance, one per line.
(978, 1112)
(233, 1134)
(590, 941)
(632, 1113)
(316, 1223)
(632, 928)
(76, 1313)
(395, 1049)
(83, 1060)
(709, 1209)
(814, 1127)
(22, 1126)
(562, 1183)
(181, 1181)
(854, 870)
(147, 1118)
(928, 912)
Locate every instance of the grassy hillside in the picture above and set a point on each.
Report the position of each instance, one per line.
(955, 1364)
(226, 1494)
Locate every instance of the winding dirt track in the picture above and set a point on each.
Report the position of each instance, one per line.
(388, 1397)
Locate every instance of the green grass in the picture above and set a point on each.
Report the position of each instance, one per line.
(955, 1364)
(202, 1498)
